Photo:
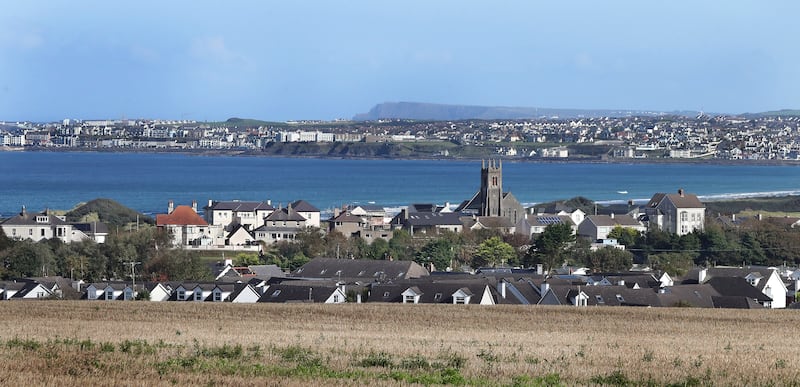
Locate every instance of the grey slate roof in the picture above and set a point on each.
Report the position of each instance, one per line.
(680, 200)
(303, 206)
(25, 218)
(617, 220)
(360, 268)
(289, 292)
(285, 214)
(239, 206)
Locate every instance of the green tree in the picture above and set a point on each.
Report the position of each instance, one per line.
(378, 249)
(674, 263)
(625, 235)
(401, 246)
(246, 259)
(311, 242)
(29, 259)
(493, 251)
(550, 247)
(610, 259)
(438, 252)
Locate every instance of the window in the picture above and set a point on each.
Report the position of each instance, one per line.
(599, 299)
(684, 216)
(386, 295)
(198, 294)
(42, 232)
(437, 296)
(408, 299)
(181, 295)
(336, 298)
(620, 298)
(13, 231)
(217, 296)
(30, 231)
(128, 295)
(276, 293)
(459, 300)
(109, 294)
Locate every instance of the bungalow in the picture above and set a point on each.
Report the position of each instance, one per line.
(304, 292)
(427, 291)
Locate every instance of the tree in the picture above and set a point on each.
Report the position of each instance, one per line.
(311, 242)
(493, 251)
(29, 259)
(550, 247)
(246, 259)
(610, 259)
(438, 252)
(378, 249)
(624, 235)
(401, 246)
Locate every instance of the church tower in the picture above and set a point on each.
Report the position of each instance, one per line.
(491, 187)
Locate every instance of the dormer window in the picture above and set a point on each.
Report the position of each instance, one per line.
(42, 219)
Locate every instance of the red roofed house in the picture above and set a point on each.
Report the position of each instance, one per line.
(187, 227)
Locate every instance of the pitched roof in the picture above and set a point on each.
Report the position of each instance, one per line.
(346, 217)
(30, 219)
(548, 219)
(680, 200)
(181, 216)
(91, 227)
(736, 286)
(239, 206)
(434, 219)
(360, 268)
(285, 214)
(303, 206)
(289, 292)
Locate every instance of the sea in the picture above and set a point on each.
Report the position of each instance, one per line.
(146, 182)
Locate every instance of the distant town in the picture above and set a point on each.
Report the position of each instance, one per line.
(486, 250)
(661, 137)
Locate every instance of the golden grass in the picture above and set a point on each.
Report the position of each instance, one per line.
(136, 343)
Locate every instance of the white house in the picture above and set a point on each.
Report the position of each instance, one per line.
(679, 213)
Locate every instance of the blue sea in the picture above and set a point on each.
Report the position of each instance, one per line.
(146, 182)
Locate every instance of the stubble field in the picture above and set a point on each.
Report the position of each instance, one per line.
(138, 343)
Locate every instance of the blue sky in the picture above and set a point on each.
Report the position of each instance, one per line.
(279, 60)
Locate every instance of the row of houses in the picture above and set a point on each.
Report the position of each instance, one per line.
(329, 280)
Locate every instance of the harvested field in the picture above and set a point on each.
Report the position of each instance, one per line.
(135, 343)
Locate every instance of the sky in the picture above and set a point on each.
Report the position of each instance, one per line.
(285, 60)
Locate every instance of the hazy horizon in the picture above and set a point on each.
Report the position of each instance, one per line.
(277, 61)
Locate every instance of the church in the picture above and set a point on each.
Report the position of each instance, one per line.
(490, 201)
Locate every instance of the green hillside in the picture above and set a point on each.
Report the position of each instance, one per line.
(107, 211)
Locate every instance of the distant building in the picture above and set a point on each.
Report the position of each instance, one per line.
(679, 213)
(45, 225)
(490, 200)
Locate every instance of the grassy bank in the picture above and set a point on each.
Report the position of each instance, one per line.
(57, 342)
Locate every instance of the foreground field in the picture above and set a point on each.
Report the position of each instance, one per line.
(136, 343)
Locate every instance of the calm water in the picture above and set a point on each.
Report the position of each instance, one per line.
(146, 182)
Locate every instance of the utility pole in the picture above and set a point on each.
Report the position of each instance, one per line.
(133, 275)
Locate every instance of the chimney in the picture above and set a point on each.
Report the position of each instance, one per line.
(210, 202)
(621, 282)
(539, 269)
(759, 216)
(336, 212)
(501, 287)
(194, 205)
(170, 207)
(24, 212)
(612, 215)
(269, 202)
(680, 192)
(701, 275)
(545, 288)
(733, 217)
